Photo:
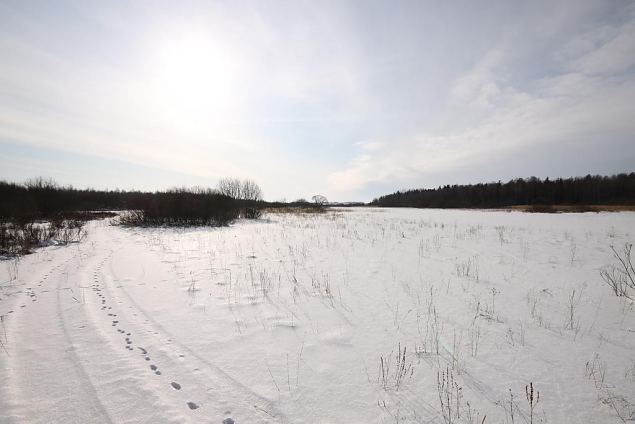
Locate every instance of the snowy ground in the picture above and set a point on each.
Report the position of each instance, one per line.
(288, 319)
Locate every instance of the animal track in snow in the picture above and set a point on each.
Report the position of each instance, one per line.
(192, 405)
(175, 385)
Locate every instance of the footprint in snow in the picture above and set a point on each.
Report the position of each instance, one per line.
(228, 421)
(175, 386)
(192, 405)
(142, 350)
(153, 367)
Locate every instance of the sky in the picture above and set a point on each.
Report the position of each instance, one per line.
(348, 99)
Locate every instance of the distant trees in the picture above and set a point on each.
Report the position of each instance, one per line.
(246, 192)
(240, 189)
(588, 190)
(182, 206)
(250, 191)
(43, 199)
(319, 200)
(231, 187)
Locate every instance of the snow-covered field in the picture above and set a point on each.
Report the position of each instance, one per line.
(290, 319)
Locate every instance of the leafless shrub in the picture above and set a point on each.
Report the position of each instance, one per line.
(467, 268)
(472, 416)
(596, 370)
(501, 230)
(453, 408)
(71, 231)
(432, 334)
(21, 238)
(394, 377)
(449, 396)
(621, 276)
(624, 410)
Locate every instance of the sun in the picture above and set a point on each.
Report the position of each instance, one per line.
(195, 83)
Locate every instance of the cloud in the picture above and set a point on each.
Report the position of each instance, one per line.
(613, 56)
(478, 88)
(487, 118)
(308, 97)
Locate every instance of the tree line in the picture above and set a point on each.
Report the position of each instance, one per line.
(589, 190)
(23, 207)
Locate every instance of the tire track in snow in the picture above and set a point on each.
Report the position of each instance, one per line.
(88, 387)
(47, 380)
(126, 377)
(251, 401)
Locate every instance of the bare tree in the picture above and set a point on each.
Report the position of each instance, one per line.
(231, 187)
(249, 190)
(319, 200)
(40, 183)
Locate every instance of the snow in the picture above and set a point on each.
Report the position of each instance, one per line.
(287, 319)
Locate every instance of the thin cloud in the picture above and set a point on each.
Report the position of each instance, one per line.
(320, 97)
(486, 115)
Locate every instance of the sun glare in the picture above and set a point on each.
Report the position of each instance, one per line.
(195, 84)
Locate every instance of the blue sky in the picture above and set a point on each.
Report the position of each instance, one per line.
(350, 99)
